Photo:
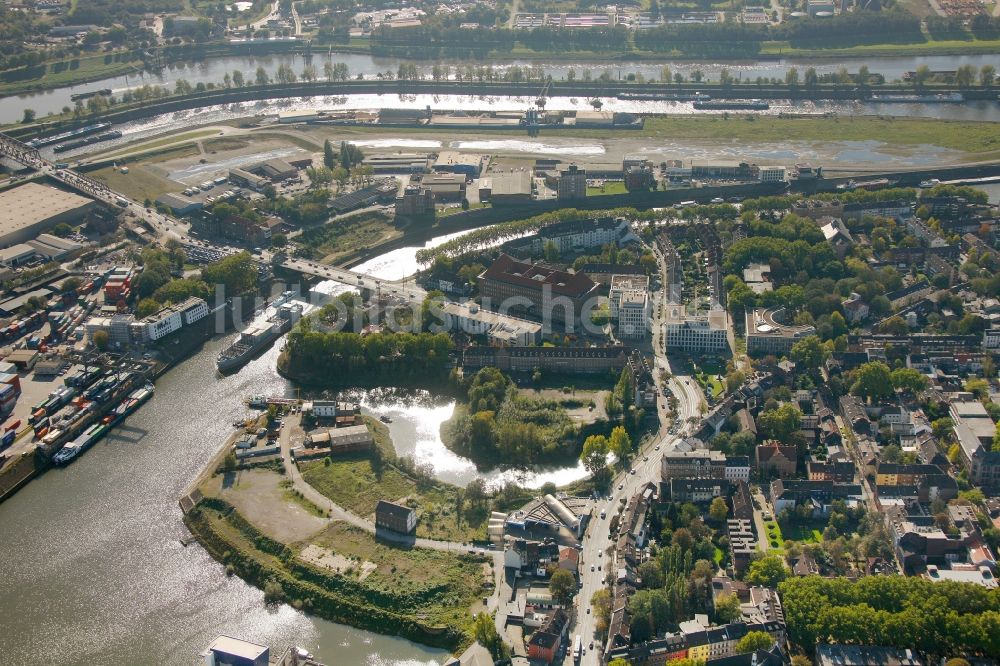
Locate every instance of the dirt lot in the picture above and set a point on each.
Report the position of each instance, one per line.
(260, 497)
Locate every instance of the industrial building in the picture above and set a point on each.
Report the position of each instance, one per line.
(506, 189)
(182, 205)
(52, 247)
(450, 161)
(415, 201)
(447, 187)
(30, 209)
(572, 183)
(17, 255)
(397, 163)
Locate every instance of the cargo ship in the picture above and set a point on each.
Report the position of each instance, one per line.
(871, 185)
(92, 434)
(93, 93)
(257, 337)
(731, 105)
(939, 98)
(665, 97)
(86, 141)
(66, 136)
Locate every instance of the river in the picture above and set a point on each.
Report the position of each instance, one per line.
(213, 70)
(93, 568)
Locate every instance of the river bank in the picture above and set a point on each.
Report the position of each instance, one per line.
(586, 90)
(104, 67)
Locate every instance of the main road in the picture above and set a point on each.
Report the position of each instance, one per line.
(645, 468)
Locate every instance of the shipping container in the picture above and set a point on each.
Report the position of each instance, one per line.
(13, 426)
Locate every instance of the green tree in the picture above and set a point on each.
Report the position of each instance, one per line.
(101, 340)
(262, 78)
(908, 379)
(965, 76)
(484, 630)
(620, 444)
(987, 75)
(767, 571)
(811, 78)
(809, 352)
(279, 241)
(727, 609)
(237, 273)
(595, 454)
(562, 585)
(718, 510)
(551, 251)
(780, 423)
(329, 156)
(146, 307)
(601, 602)
(753, 641)
(872, 381)
(70, 284)
(792, 78)
(28, 117)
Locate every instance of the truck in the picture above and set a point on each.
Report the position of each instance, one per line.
(577, 649)
(121, 202)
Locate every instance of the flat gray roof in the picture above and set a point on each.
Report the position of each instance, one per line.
(30, 204)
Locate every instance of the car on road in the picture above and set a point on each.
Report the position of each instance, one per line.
(620, 486)
(646, 458)
(591, 567)
(657, 447)
(632, 472)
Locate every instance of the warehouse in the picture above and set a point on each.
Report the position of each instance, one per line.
(450, 161)
(178, 203)
(506, 189)
(16, 255)
(27, 210)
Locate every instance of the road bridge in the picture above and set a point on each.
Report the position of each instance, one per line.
(168, 227)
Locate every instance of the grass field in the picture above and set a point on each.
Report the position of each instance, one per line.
(613, 187)
(139, 183)
(434, 587)
(343, 236)
(162, 141)
(356, 485)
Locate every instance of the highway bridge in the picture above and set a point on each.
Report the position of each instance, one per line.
(167, 227)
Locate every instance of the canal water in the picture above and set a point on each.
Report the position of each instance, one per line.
(213, 70)
(93, 568)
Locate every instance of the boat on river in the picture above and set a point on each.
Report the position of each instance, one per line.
(259, 336)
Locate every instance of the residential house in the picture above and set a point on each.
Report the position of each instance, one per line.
(819, 495)
(545, 642)
(773, 458)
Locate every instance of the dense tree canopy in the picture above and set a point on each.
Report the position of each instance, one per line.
(939, 618)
